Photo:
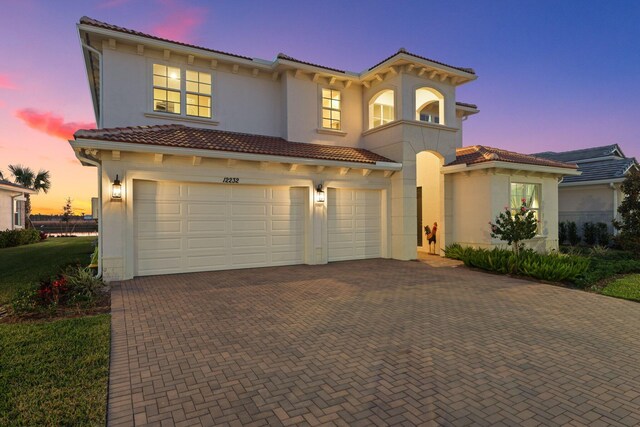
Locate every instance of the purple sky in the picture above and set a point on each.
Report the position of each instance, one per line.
(553, 75)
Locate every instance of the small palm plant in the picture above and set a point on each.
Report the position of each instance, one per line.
(515, 226)
(26, 177)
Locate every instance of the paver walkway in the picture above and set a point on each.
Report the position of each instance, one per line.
(370, 342)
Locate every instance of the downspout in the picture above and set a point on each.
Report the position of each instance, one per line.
(99, 166)
(615, 205)
(101, 83)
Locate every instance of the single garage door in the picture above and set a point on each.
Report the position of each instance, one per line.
(187, 227)
(354, 224)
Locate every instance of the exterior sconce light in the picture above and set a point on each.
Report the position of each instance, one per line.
(116, 190)
(319, 194)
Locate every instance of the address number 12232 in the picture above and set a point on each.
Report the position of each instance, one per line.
(228, 180)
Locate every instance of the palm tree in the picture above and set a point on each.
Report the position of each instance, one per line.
(25, 176)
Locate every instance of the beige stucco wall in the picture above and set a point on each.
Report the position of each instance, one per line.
(474, 199)
(117, 216)
(589, 203)
(6, 210)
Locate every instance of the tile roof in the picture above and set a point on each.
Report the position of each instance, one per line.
(289, 58)
(210, 139)
(95, 23)
(583, 153)
(602, 170)
(464, 104)
(13, 184)
(85, 20)
(480, 154)
(402, 50)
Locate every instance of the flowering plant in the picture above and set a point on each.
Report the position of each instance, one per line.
(50, 291)
(514, 226)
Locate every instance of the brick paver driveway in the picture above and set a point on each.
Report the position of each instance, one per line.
(370, 342)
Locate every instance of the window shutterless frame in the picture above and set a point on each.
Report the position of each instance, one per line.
(185, 92)
(331, 108)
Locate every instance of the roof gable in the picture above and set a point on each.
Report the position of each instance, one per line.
(477, 154)
(583, 154)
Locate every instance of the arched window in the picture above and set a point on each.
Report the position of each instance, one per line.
(381, 109)
(429, 105)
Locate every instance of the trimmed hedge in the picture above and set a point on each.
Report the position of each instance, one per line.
(550, 267)
(11, 238)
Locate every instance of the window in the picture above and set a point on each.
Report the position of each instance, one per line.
(168, 91)
(18, 213)
(381, 109)
(429, 105)
(198, 94)
(429, 118)
(331, 109)
(530, 193)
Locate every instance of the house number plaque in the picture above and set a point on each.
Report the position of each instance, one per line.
(228, 180)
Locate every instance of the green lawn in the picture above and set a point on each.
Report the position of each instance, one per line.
(54, 373)
(23, 265)
(627, 287)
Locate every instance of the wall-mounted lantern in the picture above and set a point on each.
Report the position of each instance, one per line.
(319, 194)
(116, 189)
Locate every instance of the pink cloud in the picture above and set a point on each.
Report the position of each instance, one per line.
(179, 23)
(50, 123)
(6, 82)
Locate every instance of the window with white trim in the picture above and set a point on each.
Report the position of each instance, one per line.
(18, 213)
(381, 109)
(172, 89)
(166, 89)
(331, 109)
(526, 193)
(198, 86)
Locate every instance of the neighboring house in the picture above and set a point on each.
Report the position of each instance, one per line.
(593, 196)
(209, 160)
(12, 200)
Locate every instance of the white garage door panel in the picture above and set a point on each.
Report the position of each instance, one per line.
(182, 227)
(354, 224)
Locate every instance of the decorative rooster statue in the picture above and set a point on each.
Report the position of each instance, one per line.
(431, 236)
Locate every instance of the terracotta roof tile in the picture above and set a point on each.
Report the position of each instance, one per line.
(95, 23)
(289, 58)
(402, 50)
(210, 139)
(480, 154)
(464, 104)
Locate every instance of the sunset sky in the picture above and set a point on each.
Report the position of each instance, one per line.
(553, 75)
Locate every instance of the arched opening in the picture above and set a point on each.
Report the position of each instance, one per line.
(382, 108)
(429, 105)
(429, 195)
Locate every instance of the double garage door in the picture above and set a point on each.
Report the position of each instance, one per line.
(189, 227)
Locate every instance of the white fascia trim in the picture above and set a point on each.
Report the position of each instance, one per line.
(409, 122)
(598, 182)
(160, 44)
(410, 58)
(347, 75)
(16, 190)
(511, 166)
(467, 109)
(179, 151)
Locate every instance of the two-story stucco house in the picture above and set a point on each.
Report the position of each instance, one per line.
(595, 195)
(210, 160)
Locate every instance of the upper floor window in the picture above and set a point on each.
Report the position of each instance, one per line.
(429, 105)
(198, 94)
(381, 109)
(331, 106)
(166, 89)
(169, 91)
(526, 193)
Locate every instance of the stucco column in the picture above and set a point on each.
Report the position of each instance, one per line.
(404, 212)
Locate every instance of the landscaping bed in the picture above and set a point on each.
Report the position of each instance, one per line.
(590, 269)
(54, 356)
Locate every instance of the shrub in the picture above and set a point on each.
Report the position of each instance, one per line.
(629, 212)
(589, 233)
(562, 232)
(456, 251)
(43, 236)
(572, 233)
(550, 267)
(602, 234)
(11, 238)
(84, 287)
(24, 301)
(514, 227)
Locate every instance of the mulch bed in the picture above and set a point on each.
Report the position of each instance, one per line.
(103, 305)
